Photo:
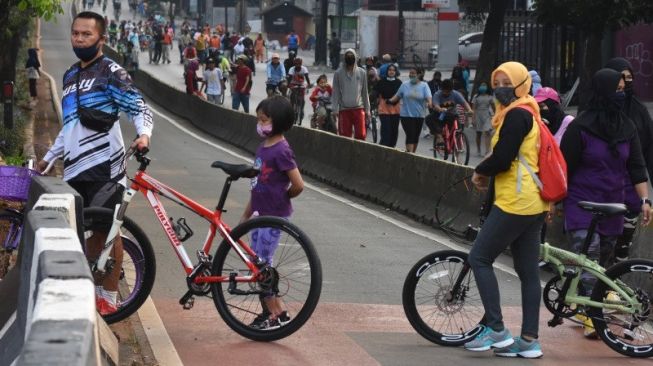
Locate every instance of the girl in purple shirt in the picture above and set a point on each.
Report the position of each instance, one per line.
(278, 181)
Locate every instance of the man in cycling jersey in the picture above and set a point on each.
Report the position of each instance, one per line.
(91, 139)
(445, 101)
(298, 79)
(276, 73)
(298, 75)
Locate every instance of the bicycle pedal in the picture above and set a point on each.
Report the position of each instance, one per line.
(189, 304)
(554, 322)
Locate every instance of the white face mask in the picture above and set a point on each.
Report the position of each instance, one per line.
(390, 78)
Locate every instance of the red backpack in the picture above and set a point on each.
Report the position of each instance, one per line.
(552, 176)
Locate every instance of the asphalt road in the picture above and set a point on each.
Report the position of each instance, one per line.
(366, 252)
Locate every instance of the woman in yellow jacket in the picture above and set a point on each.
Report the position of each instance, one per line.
(516, 216)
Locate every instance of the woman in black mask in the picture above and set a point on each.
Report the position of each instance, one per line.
(602, 152)
(638, 113)
(551, 111)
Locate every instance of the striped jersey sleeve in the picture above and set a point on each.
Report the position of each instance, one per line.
(91, 155)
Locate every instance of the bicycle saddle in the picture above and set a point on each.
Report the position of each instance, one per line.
(608, 209)
(236, 171)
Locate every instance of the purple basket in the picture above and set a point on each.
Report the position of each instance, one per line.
(14, 182)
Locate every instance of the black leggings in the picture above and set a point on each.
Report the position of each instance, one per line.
(389, 129)
(412, 127)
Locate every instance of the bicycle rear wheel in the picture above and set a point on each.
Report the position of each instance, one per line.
(295, 275)
(460, 219)
(138, 265)
(628, 334)
(460, 150)
(441, 300)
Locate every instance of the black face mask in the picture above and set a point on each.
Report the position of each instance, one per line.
(349, 60)
(506, 94)
(86, 54)
(628, 88)
(545, 114)
(619, 99)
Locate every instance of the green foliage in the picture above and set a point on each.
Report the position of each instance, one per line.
(475, 10)
(595, 16)
(41, 8)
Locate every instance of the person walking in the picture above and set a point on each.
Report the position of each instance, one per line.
(243, 85)
(386, 88)
(638, 113)
(350, 100)
(435, 84)
(483, 106)
(415, 97)
(212, 82)
(166, 45)
(516, 215)
(33, 67)
(259, 48)
(93, 148)
(602, 151)
(334, 51)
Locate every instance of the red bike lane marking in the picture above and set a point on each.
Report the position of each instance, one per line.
(323, 340)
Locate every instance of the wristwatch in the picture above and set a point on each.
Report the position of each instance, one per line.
(647, 201)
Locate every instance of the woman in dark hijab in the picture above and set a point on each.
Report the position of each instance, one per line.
(638, 113)
(602, 151)
(33, 73)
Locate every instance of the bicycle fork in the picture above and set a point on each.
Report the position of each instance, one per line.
(114, 231)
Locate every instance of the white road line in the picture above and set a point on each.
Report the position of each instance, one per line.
(423, 233)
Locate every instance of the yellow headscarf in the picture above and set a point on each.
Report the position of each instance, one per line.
(519, 77)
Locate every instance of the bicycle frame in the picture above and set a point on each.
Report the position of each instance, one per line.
(561, 259)
(152, 189)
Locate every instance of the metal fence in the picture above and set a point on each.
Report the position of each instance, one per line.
(549, 49)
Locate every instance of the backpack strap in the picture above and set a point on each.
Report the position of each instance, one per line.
(522, 161)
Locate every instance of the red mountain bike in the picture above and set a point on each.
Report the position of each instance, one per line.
(448, 138)
(235, 277)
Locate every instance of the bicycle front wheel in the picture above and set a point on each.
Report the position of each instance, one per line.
(460, 150)
(11, 227)
(138, 268)
(441, 300)
(628, 334)
(294, 275)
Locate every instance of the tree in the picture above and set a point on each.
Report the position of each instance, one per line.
(593, 18)
(495, 10)
(15, 16)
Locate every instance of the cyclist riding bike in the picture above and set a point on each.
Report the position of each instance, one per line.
(276, 74)
(321, 102)
(445, 102)
(298, 75)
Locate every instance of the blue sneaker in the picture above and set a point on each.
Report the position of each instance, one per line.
(521, 348)
(488, 338)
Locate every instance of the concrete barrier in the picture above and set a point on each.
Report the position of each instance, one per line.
(408, 183)
(47, 315)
